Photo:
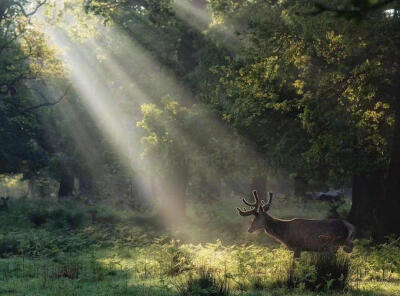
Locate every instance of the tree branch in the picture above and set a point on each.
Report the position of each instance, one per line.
(45, 104)
(29, 14)
(354, 11)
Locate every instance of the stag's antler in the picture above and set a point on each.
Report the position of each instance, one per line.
(265, 206)
(255, 205)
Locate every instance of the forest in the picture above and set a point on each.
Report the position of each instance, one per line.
(200, 147)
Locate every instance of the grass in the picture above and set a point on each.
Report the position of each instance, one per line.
(65, 254)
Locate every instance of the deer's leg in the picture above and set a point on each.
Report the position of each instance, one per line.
(348, 244)
(333, 250)
(296, 255)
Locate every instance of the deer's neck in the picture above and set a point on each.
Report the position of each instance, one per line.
(276, 228)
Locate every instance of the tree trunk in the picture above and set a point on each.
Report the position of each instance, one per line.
(259, 183)
(368, 191)
(31, 187)
(390, 206)
(186, 52)
(376, 202)
(67, 183)
(85, 184)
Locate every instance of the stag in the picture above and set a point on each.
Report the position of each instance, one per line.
(297, 234)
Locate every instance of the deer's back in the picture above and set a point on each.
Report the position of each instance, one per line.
(316, 235)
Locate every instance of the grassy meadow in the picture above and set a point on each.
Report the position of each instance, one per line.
(50, 247)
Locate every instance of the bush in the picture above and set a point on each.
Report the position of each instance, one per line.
(376, 261)
(38, 216)
(75, 219)
(9, 246)
(64, 218)
(178, 260)
(70, 270)
(321, 272)
(204, 284)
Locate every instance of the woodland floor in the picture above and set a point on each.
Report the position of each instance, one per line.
(52, 248)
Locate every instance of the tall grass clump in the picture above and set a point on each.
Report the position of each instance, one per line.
(204, 283)
(321, 272)
(175, 259)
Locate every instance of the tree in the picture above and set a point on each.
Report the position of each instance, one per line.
(24, 57)
(326, 87)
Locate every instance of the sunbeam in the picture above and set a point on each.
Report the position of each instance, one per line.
(197, 16)
(114, 104)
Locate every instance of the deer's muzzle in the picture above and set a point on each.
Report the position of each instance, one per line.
(251, 230)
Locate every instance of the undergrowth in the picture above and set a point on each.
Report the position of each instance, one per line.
(204, 283)
(54, 248)
(321, 272)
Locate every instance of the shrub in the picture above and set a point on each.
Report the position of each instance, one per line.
(9, 246)
(176, 259)
(75, 219)
(318, 272)
(204, 284)
(38, 216)
(257, 283)
(64, 218)
(70, 270)
(57, 217)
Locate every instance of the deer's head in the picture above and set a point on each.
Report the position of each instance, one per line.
(259, 210)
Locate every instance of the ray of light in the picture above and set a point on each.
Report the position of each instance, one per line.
(97, 95)
(98, 91)
(194, 15)
(201, 19)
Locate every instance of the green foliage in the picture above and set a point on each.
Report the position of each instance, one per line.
(144, 261)
(285, 89)
(372, 261)
(178, 259)
(9, 246)
(59, 217)
(38, 216)
(205, 283)
(72, 219)
(323, 272)
(24, 55)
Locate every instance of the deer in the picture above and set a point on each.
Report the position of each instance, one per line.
(298, 234)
